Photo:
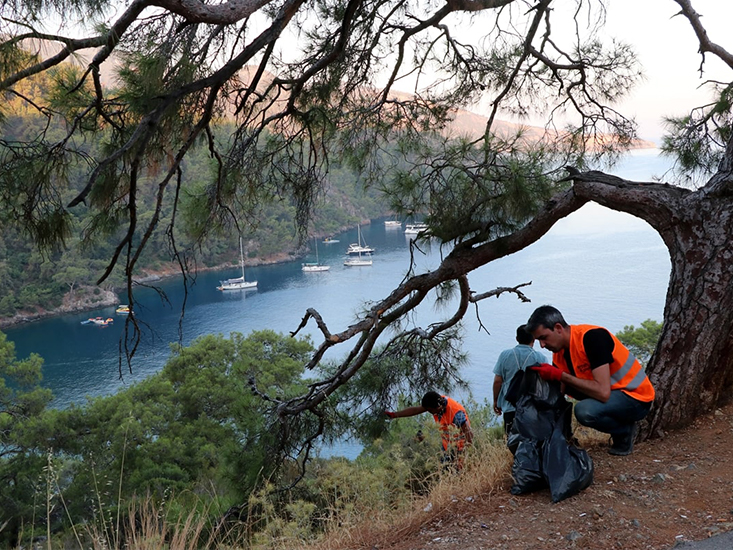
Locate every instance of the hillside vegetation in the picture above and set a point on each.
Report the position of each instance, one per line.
(32, 282)
(193, 457)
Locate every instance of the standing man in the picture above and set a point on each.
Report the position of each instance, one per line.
(594, 367)
(453, 419)
(509, 363)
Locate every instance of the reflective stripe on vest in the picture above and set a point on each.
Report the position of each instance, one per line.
(625, 369)
(627, 373)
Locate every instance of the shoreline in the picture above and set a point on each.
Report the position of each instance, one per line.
(76, 302)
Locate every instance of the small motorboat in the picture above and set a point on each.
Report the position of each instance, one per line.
(415, 228)
(99, 321)
(123, 309)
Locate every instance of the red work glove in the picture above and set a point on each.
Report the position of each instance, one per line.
(548, 372)
(390, 414)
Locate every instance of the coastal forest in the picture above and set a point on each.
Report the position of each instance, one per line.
(35, 281)
(251, 119)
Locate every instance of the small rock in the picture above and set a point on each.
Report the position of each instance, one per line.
(573, 535)
(659, 478)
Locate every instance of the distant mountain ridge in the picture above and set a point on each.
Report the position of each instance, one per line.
(472, 124)
(465, 122)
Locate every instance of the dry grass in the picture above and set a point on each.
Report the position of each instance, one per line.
(486, 464)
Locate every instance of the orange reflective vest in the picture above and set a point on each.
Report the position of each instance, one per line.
(451, 434)
(627, 374)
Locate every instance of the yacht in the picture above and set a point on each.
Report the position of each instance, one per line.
(237, 283)
(415, 228)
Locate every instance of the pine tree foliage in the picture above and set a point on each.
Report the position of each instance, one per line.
(312, 83)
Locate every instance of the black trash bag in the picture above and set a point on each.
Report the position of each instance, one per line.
(527, 467)
(538, 403)
(539, 440)
(567, 469)
(513, 439)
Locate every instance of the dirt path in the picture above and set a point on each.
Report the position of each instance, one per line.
(669, 490)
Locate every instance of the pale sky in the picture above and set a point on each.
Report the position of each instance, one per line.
(667, 48)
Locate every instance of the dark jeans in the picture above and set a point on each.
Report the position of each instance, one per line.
(616, 416)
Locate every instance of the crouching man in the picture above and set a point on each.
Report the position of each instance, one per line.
(594, 367)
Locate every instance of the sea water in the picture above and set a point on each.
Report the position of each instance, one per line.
(597, 266)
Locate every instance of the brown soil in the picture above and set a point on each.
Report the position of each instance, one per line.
(669, 490)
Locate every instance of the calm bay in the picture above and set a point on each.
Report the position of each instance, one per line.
(597, 266)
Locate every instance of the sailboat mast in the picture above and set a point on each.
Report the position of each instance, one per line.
(358, 236)
(241, 257)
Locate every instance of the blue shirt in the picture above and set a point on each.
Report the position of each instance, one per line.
(510, 361)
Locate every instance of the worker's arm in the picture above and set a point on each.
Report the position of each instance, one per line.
(409, 411)
(498, 381)
(467, 432)
(599, 388)
(598, 345)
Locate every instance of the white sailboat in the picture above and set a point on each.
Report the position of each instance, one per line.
(359, 260)
(237, 283)
(359, 247)
(310, 267)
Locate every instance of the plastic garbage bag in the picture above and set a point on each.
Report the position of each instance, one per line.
(527, 468)
(537, 403)
(539, 440)
(567, 469)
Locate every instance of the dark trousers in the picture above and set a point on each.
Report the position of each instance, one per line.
(616, 416)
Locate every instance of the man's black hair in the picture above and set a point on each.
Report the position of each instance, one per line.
(524, 337)
(431, 400)
(545, 316)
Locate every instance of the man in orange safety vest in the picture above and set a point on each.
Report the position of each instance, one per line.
(594, 367)
(450, 415)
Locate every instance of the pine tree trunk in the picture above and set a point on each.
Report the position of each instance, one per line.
(692, 367)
